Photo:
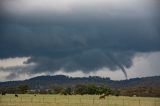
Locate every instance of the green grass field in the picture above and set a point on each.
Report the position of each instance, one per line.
(75, 100)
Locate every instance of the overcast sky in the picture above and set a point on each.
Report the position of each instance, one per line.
(108, 38)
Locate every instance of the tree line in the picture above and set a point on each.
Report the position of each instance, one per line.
(82, 89)
(21, 89)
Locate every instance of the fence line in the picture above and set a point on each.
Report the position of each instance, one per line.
(71, 101)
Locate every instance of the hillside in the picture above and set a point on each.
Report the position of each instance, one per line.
(45, 82)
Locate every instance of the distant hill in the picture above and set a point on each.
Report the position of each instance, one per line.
(45, 82)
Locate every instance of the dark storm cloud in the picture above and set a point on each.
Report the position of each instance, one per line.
(85, 39)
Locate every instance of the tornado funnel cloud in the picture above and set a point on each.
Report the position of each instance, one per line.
(123, 70)
(113, 59)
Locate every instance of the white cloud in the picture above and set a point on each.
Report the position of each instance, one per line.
(145, 65)
(11, 62)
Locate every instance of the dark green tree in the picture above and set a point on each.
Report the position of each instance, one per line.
(67, 91)
(58, 90)
(23, 88)
(116, 92)
(91, 89)
(81, 89)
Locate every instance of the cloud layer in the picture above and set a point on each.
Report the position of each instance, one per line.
(78, 35)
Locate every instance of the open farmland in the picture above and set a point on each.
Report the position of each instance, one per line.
(75, 100)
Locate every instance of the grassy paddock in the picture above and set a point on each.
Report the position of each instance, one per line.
(75, 100)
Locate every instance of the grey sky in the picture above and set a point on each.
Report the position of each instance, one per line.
(90, 36)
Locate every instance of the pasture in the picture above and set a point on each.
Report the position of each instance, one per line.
(75, 100)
